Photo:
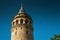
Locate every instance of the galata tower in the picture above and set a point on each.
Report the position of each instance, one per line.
(22, 26)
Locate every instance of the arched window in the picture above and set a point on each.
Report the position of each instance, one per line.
(30, 22)
(16, 21)
(16, 33)
(21, 27)
(13, 23)
(26, 27)
(21, 21)
(16, 28)
(27, 32)
(26, 21)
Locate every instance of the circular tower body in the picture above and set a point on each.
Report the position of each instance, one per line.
(22, 28)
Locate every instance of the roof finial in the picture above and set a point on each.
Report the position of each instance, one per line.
(21, 9)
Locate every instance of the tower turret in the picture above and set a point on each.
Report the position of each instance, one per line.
(22, 28)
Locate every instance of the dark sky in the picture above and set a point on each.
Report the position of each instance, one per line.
(45, 15)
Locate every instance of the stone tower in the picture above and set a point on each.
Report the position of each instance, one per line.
(22, 28)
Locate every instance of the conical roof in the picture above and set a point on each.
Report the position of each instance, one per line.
(21, 9)
(22, 13)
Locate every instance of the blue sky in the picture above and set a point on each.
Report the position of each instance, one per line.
(45, 15)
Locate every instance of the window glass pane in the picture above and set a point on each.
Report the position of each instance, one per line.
(16, 21)
(30, 22)
(26, 21)
(21, 21)
(21, 27)
(26, 27)
(27, 32)
(16, 33)
(13, 23)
